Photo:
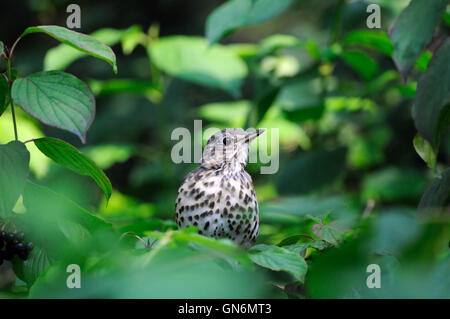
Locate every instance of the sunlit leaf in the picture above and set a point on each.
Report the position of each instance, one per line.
(425, 151)
(77, 40)
(192, 59)
(240, 13)
(370, 39)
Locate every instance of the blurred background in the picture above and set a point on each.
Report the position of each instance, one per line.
(349, 174)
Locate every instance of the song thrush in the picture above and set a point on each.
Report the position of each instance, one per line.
(219, 196)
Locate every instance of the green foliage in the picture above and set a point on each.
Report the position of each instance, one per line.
(14, 160)
(351, 189)
(78, 41)
(240, 13)
(413, 30)
(58, 99)
(68, 156)
(431, 111)
(192, 59)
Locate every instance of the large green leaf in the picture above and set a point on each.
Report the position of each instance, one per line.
(311, 171)
(14, 161)
(413, 30)
(239, 13)
(61, 56)
(68, 156)
(277, 258)
(437, 194)
(58, 99)
(78, 41)
(431, 109)
(4, 94)
(192, 59)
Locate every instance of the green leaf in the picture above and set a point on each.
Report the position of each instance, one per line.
(68, 156)
(329, 233)
(277, 258)
(77, 40)
(4, 94)
(437, 194)
(425, 151)
(233, 114)
(29, 270)
(364, 65)
(311, 170)
(369, 39)
(191, 59)
(393, 184)
(14, 161)
(431, 109)
(240, 13)
(276, 42)
(134, 86)
(301, 94)
(413, 30)
(61, 56)
(58, 99)
(394, 230)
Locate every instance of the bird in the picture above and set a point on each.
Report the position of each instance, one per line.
(218, 196)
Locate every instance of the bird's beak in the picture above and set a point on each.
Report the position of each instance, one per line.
(250, 136)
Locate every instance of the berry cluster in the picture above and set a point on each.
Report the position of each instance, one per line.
(12, 244)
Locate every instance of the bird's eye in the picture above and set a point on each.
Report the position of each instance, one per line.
(226, 141)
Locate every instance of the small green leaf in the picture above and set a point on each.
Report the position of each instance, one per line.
(277, 258)
(329, 233)
(369, 39)
(68, 156)
(14, 161)
(61, 56)
(192, 59)
(361, 63)
(437, 194)
(240, 13)
(431, 108)
(57, 99)
(425, 151)
(413, 30)
(78, 41)
(4, 94)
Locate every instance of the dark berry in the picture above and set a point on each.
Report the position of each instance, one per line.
(19, 246)
(9, 237)
(29, 246)
(2, 243)
(10, 247)
(20, 236)
(23, 254)
(3, 234)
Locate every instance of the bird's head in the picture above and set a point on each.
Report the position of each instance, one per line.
(229, 146)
